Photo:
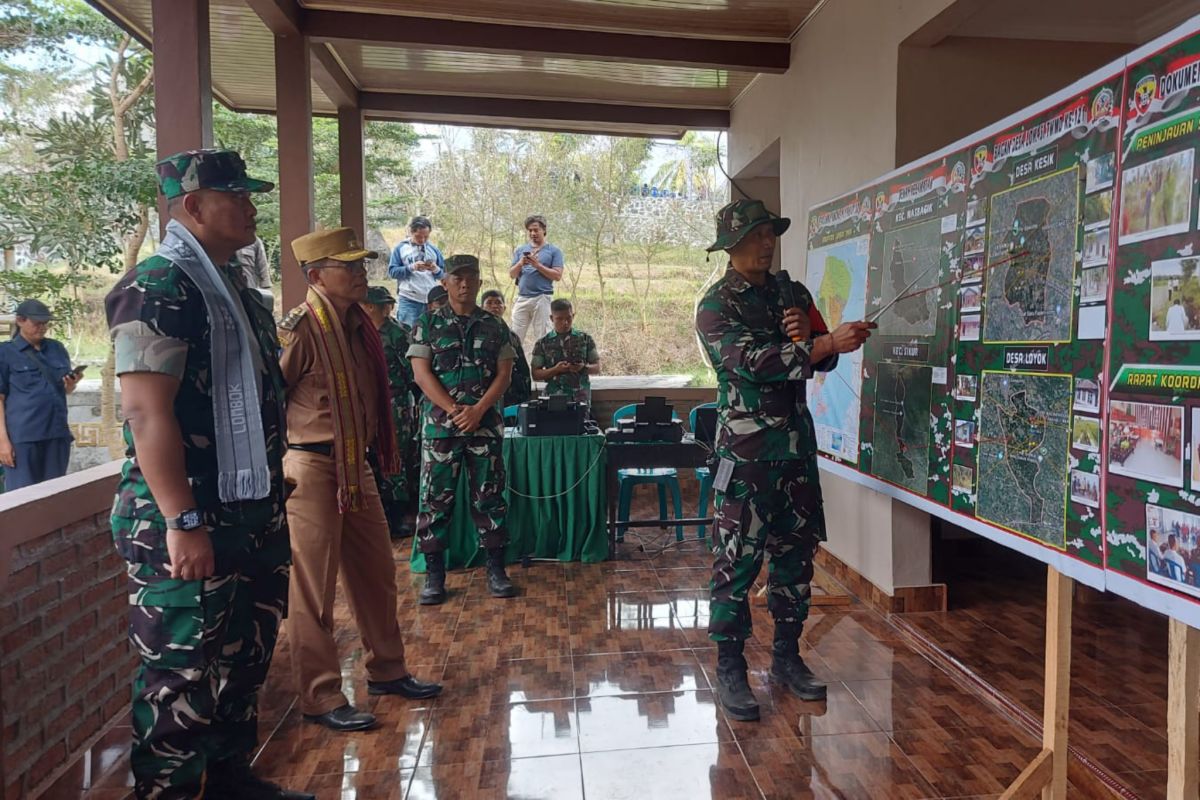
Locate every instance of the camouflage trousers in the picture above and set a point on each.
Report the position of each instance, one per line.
(768, 507)
(442, 461)
(393, 492)
(204, 649)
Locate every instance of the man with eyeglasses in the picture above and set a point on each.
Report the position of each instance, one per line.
(338, 407)
(35, 378)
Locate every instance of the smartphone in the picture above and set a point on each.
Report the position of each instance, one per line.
(78, 371)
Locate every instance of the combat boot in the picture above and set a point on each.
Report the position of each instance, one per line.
(732, 687)
(434, 591)
(498, 583)
(788, 668)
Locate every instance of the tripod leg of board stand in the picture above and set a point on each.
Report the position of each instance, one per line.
(1183, 712)
(1046, 775)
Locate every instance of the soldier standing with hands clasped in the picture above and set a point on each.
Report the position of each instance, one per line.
(768, 495)
(462, 360)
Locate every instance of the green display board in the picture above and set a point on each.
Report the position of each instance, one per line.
(1152, 474)
(987, 271)
(1035, 376)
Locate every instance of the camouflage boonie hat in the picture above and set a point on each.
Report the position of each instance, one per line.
(380, 296)
(191, 170)
(740, 217)
(457, 263)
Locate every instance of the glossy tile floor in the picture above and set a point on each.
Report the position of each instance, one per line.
(595, 683)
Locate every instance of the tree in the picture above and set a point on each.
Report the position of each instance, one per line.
(388, 155)
(607, 171)
(692, 171)
(86, 198)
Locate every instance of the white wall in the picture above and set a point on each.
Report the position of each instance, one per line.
(834, 114)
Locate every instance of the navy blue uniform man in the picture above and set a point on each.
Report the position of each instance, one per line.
(35, 379)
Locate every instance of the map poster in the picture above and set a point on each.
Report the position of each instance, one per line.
(838, 247)
(1040, 184)
(912, 291)
(1151, 492)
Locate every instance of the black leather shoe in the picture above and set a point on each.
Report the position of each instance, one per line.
(346, 718)
(407, 686)
(233, 780)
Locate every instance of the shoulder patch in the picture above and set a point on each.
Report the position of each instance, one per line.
(292, 318)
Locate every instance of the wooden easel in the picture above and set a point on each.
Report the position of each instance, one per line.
(1046, 775)
(1183, 708)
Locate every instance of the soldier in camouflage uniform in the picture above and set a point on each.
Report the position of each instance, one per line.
(394, 490)
(767, 494)
(462, 360)
(520, 389)
(564, 357)
(207, 563)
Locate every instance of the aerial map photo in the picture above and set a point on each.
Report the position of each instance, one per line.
(902, 425)
(1032, 232)
(1024, 441)
(911, 263)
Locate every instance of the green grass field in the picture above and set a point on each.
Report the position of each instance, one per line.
(637, 332)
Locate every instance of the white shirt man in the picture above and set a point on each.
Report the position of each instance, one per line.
(1177, 319)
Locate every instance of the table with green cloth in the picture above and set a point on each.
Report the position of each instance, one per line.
(568, 525)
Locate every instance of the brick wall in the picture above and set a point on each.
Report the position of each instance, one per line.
(65, 664)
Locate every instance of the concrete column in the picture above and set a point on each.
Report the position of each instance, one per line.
(182, 79)
(182, 75)
(352, 171)
(293, 115)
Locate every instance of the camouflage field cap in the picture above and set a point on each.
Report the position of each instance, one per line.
(436, 294)
(740, 217)
(221, 170)
(380, 296)
(457, 263)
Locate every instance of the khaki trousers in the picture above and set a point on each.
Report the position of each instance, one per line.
(324, 542)
(531, 314)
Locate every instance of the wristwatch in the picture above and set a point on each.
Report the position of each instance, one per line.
(187, 520)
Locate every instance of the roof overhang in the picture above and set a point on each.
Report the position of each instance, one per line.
(587, 66)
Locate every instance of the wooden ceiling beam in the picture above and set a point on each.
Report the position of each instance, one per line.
(328, 74)
(390, 29)
(539, 126)
(414, 106)
(282, 17)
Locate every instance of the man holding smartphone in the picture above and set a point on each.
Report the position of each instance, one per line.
(35, 378)
(417, 266)
(536, 265)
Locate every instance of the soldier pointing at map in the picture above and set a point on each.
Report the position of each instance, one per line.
(768, 498)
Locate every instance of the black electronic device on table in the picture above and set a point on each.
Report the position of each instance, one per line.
(705, 429)
(556, 415)
(653, 421)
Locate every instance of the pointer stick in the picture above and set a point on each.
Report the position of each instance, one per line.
(901, 294)
(904, 295)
